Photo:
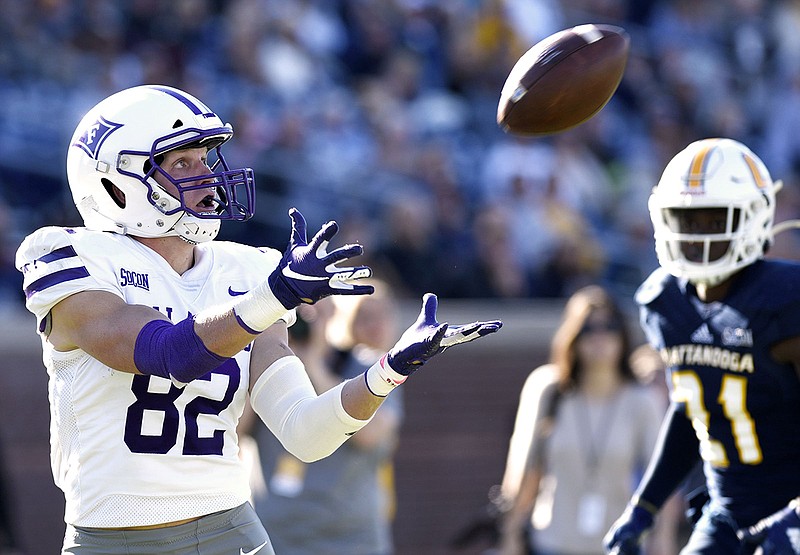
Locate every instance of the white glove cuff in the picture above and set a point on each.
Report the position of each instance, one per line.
(382, 379)
(258, 309)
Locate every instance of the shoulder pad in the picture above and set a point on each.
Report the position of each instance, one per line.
(53, 268)
(652, 287)
(41, 243)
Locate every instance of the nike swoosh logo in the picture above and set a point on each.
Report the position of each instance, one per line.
(288, 272)
(233, 293)
(243, 552)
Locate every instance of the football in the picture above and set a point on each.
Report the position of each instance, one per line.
(563, 80)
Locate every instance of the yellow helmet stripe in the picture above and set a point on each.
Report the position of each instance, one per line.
(697, 168)
(757, 177)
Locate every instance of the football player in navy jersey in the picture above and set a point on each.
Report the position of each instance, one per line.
(155, 335)
(727, 324)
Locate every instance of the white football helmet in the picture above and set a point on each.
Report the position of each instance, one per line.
(119, 143)
(713, 174)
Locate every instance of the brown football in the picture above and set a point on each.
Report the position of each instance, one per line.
(563, 80)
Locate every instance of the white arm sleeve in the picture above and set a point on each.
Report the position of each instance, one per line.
(309, 426)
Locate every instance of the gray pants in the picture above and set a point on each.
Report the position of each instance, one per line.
(231, 532)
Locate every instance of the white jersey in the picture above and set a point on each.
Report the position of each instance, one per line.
(132, 450)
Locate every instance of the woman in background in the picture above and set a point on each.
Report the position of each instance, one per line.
(592, 429)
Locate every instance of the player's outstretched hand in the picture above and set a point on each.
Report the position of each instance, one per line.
(419, 343)
(778, 534)
(426, 337)
(308, 272)
(626, 533)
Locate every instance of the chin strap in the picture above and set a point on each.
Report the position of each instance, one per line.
(196, 230)
(713, 281)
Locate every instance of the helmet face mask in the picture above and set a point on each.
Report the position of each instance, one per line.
(116, 152)
(233, 194)
(703, 235)
(712, 211)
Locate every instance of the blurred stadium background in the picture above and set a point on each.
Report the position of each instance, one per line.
(380, 114)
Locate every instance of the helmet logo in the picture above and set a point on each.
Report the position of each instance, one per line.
(95, 135)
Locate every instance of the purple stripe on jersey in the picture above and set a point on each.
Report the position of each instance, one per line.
(54, 279)
(198, 110)
(58, 254)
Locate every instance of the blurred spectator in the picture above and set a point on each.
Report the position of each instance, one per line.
(345, 503)
(549, 234)
(346, 104)
(8, 534)
(589, 427)
(500, 272)
(10, 238)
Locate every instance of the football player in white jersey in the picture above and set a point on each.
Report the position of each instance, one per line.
(154, 335)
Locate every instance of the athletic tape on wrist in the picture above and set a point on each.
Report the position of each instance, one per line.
(258, 309)
(382, 379)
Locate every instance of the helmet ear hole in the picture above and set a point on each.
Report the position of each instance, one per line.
(113, 191)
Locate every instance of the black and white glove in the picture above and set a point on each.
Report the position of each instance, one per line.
(419, 343)
(777, 534)
(306, 273)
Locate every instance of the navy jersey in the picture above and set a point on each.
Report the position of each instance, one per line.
(744, 406)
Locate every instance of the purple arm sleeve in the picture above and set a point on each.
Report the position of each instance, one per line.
(173, 351)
